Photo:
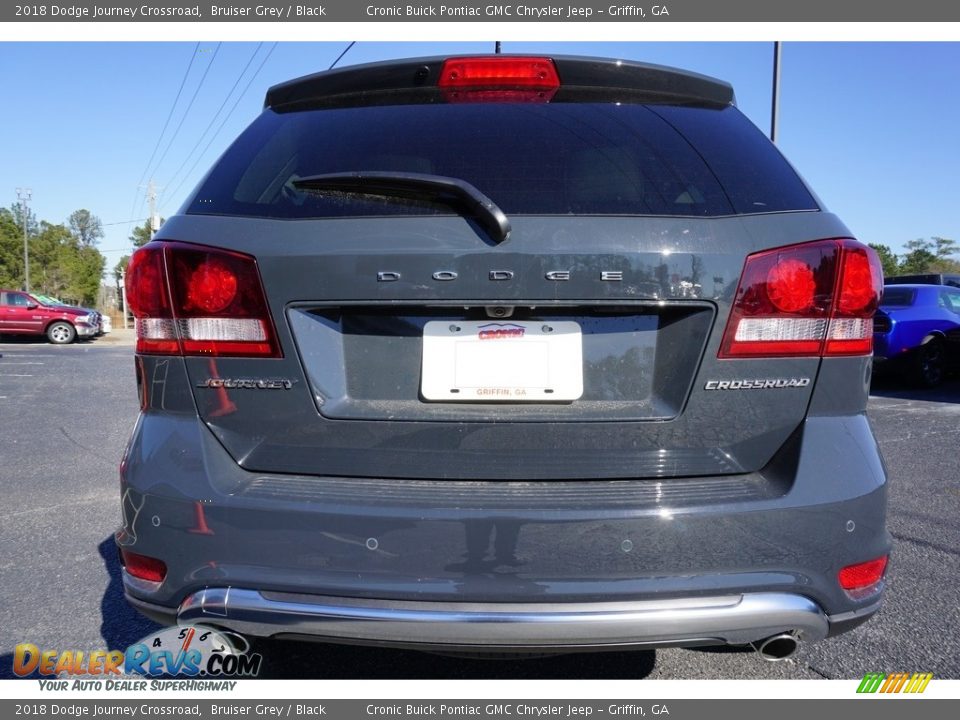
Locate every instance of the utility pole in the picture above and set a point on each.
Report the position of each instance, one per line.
(24, 195)
(152, 203)
(775, 104)
(123, 296)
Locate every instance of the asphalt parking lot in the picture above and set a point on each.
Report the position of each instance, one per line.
(66, 412)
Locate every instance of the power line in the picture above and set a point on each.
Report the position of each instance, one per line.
(189, 106)
(156, 147)
(189, 155)
(124, 222)
(340, 56)
(225, 119)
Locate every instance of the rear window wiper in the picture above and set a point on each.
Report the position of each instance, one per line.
(453, 192)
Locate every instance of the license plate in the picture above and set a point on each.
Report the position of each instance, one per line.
(502, 361)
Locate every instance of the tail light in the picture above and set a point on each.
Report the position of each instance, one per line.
(195, 300)
(143, 567)
(862, 575)
(499, 79)
(815, 299)
(149, 300)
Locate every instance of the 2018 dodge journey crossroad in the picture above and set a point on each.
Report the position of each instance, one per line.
(505, 353)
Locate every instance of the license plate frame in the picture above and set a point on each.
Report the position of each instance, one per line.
(502, 361)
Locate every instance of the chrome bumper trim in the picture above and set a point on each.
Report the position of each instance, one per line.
(138, 584)
(730, 619)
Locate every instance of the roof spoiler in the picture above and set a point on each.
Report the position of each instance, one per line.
(581, 80)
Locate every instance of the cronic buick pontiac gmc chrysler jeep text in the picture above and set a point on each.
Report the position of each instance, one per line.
(502, 354)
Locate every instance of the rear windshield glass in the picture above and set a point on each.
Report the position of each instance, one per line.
(899, 296)
(914, 279)
(550, 159)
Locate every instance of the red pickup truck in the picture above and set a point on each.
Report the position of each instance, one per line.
(23, 314)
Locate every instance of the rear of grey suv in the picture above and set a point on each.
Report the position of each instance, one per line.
(505, 353)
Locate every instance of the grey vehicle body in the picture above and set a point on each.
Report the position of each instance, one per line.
(684, 499)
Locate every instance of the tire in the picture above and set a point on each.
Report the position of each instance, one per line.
(929, 363)
(61, 333)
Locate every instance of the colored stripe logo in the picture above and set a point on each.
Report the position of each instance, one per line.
(894, 682)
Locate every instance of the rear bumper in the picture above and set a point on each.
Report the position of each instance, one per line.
(688, 561)
(729, 619)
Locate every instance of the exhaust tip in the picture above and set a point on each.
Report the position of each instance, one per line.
(777, 647)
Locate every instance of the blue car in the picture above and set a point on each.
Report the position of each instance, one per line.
(917, 330)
